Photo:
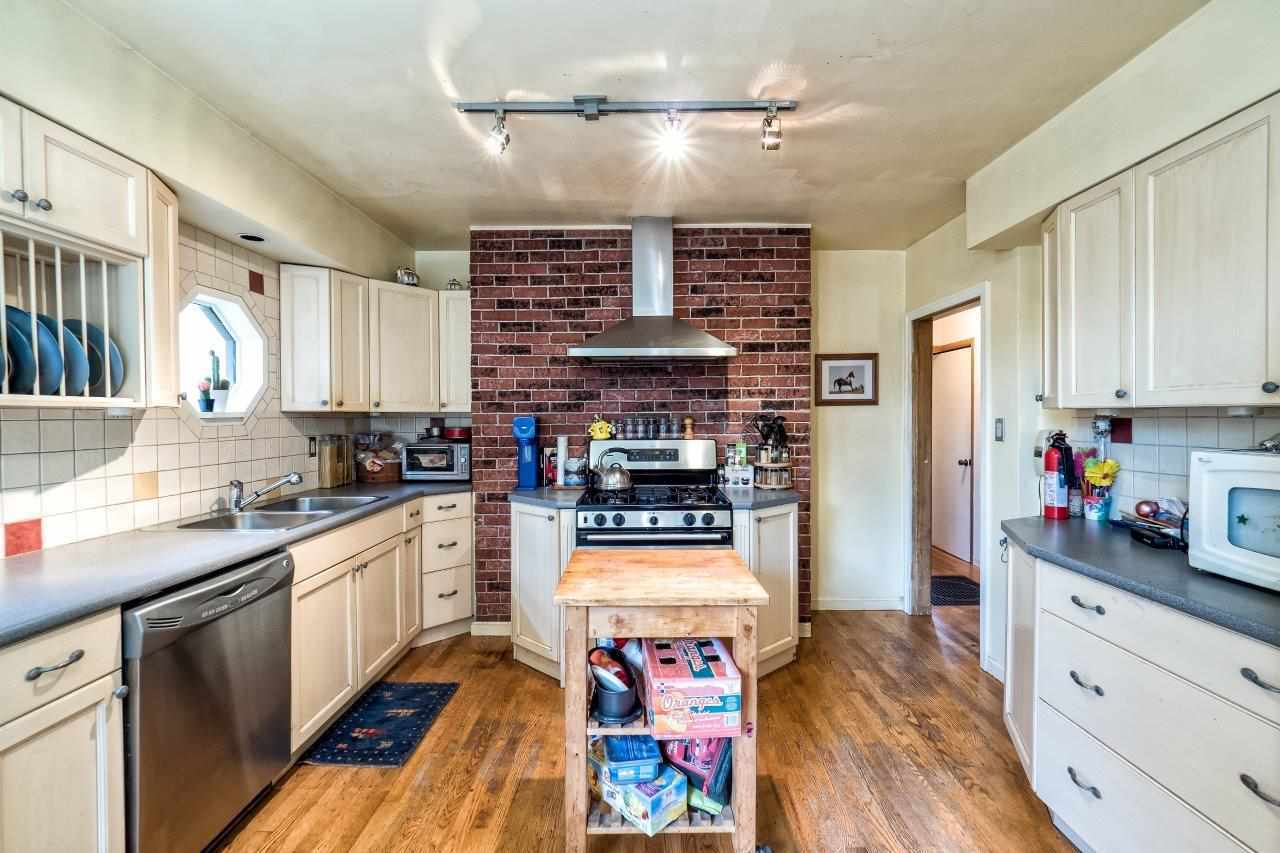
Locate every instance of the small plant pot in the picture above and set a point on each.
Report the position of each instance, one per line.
(219, 400)
(205, 403)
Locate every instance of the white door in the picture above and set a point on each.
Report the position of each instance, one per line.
(953, 452)
(161, 295)
(11, 159)
(411, 586)
(1049, 308)
(403, 350)
(306, 354)
(62, 774)
(535, 572)
(1095, 297)
(1020, 657)
(80, 187)
(455, 351)
(775, 552)
(324, 648)
(350, 333)
(1208, 282)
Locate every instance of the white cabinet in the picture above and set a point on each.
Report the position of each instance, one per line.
(12, 189)
(78, 186)
(455, 351)
(403, 348)
(411, 585)
(379, 605)
(1049, 258)
(306, 361)
(160, 295)
(1020, 657)
(1095, 297)
(324, 648)
(1208, 266)
(536, 564)
(62, 774)
(349, 334)
(775, 561)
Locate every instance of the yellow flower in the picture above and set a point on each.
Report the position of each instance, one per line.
(1101, 472)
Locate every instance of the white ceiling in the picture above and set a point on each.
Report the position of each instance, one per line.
(899, 101)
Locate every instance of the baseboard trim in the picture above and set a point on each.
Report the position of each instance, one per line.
(994, 669)
(1070, 833)
(535, 661)
(491, 629)
(806, 630)
(442, 632)
(858, 603)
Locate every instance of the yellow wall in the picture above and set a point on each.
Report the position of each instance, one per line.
(59, 63)
(1216, 62)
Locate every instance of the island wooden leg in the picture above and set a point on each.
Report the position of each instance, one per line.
(575, 730)
(744, 747)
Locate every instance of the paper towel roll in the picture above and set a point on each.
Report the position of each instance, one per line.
(562, 453)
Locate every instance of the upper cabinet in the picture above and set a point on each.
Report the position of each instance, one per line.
(455, 351)
(305, 348)
(349, 331)
(1167, 277)
(160, 295)
(402, 348)
(12, 194)
(1049, 304)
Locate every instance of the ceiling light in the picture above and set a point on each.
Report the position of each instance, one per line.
(498, 139)
(771, 132)
(672, 142)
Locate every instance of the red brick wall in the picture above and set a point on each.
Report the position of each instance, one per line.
(536, 292)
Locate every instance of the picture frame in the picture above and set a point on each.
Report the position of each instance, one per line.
(846, 379)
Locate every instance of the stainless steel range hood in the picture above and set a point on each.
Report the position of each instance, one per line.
(652, 333)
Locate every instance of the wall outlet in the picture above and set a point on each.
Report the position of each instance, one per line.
(311, 447)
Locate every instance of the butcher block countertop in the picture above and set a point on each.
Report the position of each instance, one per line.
(658, 577)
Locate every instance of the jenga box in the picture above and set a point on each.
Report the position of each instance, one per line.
(693, 688)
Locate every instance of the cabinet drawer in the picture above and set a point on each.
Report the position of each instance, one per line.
(314, 555)
(1199, 651)
(413, 512)
(96, 639)
(1130, 813)
(446, 543)
(446, 596)
(444, 507)
(1185, 738)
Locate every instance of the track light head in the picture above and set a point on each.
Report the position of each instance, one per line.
(499, 139)
(672, 141)
(771, 131)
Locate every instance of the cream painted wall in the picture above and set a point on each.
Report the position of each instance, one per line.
(59, 63)
(1216, 62)
(857, 483)
(436, 268)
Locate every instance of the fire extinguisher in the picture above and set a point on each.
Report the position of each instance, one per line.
(1058, 460)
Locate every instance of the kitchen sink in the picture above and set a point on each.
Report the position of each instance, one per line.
(318, 504)
(249, 520)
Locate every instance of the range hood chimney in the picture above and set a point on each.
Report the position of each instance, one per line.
(652, 333)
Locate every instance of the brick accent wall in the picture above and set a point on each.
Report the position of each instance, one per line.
(535, 292)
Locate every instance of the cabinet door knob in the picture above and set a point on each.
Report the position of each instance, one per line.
(1039, 398)
(1270, 387)
(121, 691)
(377, 403)
(443, 404)
(324, 402)
(44, 204)
(19, 195)
(339, 404)
(1121, 393)
(551, 518)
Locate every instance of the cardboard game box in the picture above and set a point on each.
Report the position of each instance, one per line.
(693, 689)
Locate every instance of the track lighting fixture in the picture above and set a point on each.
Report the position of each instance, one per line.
(771, 131)
(672, 142)
(499, 138)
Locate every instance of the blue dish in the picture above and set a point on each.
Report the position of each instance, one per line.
(75, 363)
(20, 360)
(50, 366)
(97, 345)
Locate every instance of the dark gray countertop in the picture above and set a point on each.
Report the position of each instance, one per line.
(1107, 554)
(742, 498)
(44, 589)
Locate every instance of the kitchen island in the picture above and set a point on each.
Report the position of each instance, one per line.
(652, 593)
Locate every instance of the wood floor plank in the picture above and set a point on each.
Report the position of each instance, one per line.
(884, 737)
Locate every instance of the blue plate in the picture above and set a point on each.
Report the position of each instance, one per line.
(97, 341)
(20, 360)
(50, 357)
(75, 362)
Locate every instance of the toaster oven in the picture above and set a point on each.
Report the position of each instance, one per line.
(436, 460)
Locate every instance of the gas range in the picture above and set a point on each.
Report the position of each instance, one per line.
(673, 502)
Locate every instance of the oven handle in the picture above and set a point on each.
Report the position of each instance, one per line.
(647, 537)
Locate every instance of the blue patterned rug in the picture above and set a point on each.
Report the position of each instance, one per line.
(384, 726)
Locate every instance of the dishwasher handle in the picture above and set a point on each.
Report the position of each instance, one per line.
(158, 622)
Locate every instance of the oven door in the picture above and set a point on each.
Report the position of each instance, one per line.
(436, 461)
(596, 538)
(1235, 526)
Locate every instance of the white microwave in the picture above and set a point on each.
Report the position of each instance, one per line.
(1235, 515)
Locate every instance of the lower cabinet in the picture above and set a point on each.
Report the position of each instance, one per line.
(447, 559)
(768, 541)
(1020, 657)
(62, 774)
(536, 563)
(411, 580)
(379, 606)
(324, 648)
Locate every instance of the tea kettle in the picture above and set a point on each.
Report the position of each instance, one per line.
(615, 478)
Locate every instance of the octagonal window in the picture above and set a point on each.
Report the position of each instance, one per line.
(222, 354)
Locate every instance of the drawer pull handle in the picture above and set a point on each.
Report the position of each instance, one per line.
(1075, 676)
(1092, 789)
(1252, 784)
(453, 544)
(447, 506)
(1250, 675)
(1096, 608)
(447, 594)
(37, 671)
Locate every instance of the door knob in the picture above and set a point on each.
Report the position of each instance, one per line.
(964, 463)
(1270, 387)
(19, 195)
(1039, 398)
(339, 404)
(44, 204)
(1121, 393)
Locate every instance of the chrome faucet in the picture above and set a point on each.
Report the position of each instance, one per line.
(239, 501)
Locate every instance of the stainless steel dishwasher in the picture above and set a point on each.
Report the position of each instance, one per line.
(207, 714)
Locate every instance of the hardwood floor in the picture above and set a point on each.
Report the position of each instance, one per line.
(883, 736)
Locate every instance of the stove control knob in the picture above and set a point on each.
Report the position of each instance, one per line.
(599, 519)
(689, 519)
(618, 519)
(708, 519)
(653, 521)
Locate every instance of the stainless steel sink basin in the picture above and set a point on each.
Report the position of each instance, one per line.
(317, 504)
(250, 521)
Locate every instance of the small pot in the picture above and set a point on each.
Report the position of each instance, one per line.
(220, 400)
(615, 705)
(205, 403)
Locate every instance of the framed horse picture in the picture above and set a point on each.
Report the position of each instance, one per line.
(851, 379)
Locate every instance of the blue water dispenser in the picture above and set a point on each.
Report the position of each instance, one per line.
(525, 429)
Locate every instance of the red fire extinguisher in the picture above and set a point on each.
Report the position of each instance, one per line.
(1056, 458)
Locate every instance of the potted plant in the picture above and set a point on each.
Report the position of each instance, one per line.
(219, 388)
(206, 399)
